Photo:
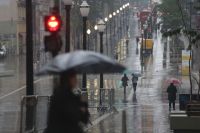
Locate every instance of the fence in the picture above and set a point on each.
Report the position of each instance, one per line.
(102, 98)
(34, 109)
(34, 114)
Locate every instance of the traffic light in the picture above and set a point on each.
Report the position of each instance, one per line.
(53, 23)
(53, 42)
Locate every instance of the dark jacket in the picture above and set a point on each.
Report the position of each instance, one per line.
(124, 81)
(65, 113)
(171, 90)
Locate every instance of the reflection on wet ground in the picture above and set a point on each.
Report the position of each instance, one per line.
(147, 110)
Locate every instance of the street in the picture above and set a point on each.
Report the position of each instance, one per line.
(145, 112)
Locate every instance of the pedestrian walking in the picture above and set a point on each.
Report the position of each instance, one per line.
(137, 40)
(124, 84)
(134, 82)
(67, 110)
(172, 90)
(125, 81)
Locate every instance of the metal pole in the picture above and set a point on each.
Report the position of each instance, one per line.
(145, 40)
(120, 26)
(111, 45)
(29, 64)
(190, 76)
(123, 25)
(114, 25)
(101, 75)
(142, 48)
(29, 48)
(84, 82)
(67, 34)
(107, 39)
(111, 33)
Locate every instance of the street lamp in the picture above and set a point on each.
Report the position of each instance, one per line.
(101, 28)
(68, 4)
(114, 14)
(106, 20)
(88, 31)
(117, 11)
(95, 27)
(88, 38)
(121, 8)
(84, 9)
(96, 39)
(110, 16)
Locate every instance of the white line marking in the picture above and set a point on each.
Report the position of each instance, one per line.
(21, 88)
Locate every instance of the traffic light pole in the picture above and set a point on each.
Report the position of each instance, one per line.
(29, 64)
(67, 34)
(29, 48)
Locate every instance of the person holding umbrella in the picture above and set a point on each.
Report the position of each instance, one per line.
(125, 81)
(69, 111)
(172, 90)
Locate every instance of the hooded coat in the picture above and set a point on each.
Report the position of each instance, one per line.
(171, 90)
(65, 114)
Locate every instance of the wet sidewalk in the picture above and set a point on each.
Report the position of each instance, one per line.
(146, 111)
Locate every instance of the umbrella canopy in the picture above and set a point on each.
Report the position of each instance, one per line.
(82, 62)
(136, 73)
(175, 81)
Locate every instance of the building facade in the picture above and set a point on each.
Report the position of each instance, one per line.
(13, 23)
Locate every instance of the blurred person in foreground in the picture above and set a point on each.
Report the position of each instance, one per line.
(68, 112)
(172, 90)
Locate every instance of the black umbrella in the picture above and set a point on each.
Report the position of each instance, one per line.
(82, 62)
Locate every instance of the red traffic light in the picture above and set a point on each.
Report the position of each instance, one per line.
(52, 23)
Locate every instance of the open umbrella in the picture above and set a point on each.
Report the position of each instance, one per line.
(82, 62)
(136, 73)
(175, 81)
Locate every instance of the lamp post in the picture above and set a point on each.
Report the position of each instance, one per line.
(96, 39)
(88, 38)
(124, 27)
(114, 14)
(106, 20)
(110, 17)
(121, 22)
(84, 9)
(118, 35)
(101, 28)
(68, 4)
(142, 48)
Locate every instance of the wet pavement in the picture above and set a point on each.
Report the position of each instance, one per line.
(145, 112)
